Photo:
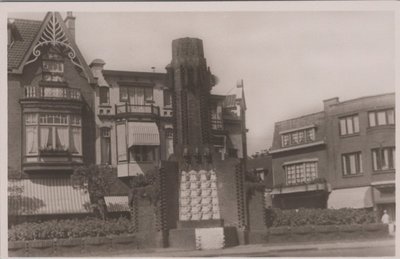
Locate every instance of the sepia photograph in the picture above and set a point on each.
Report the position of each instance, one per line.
(236, 132)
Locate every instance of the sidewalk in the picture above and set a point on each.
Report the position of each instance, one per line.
(248, 250)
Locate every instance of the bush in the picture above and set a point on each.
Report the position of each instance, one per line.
(302, 217)
(74, 228)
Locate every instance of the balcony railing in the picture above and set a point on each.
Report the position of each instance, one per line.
(136, 109)
(216, 124)
(47, 92)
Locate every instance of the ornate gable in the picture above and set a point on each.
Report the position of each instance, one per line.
(54, 34)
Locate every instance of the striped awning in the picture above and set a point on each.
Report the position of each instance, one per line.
(143, 134)
(355, 198)
(117, 203)
(46, 196)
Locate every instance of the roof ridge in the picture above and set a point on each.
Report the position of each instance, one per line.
(27, 20)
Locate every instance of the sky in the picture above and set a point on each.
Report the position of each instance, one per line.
(289, 61)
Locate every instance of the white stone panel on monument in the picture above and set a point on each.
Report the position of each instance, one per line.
(209, 238)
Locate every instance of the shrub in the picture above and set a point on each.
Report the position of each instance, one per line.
(74, 228)
(302, 217)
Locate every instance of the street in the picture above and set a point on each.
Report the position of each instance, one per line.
(350, 248)
(347, 252)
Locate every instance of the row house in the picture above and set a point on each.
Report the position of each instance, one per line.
(341, 157)
(64, 113)
(134, 120)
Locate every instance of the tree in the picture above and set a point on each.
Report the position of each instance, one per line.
(145, 186)
(96, 180)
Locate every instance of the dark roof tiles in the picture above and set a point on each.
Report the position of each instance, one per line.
(28, 30)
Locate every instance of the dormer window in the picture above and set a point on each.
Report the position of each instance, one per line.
(53, 67)
(298, 136)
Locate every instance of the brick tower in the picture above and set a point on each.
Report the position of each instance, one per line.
(191, 82)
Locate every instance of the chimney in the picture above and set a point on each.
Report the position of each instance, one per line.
(329, 102)
(97, 67)
(10, 28)
(70, 22)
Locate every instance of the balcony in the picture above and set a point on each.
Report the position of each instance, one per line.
(52, 93)
(133, 109)
(52, 159)
(216, 124)
(318, 184)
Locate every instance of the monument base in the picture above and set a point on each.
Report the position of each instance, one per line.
(203, 237)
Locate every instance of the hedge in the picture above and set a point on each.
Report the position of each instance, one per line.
(74, 228)
(302, 217)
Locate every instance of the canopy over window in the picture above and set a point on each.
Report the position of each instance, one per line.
(143, 134)
(356, 198)
(46, 196)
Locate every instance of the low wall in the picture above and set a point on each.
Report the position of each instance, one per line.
(90, 246)
(319, 233)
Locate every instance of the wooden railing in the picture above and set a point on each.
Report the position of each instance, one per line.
(46, 92)
(137, 109)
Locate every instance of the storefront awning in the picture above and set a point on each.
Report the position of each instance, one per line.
(356, 198)
(143, 134)
(46, 196)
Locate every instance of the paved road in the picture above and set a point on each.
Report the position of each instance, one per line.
(347, 252)
(343, 248)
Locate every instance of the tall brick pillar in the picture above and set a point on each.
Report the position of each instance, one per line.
(191, 82)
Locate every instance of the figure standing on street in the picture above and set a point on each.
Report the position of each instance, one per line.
(385, 217)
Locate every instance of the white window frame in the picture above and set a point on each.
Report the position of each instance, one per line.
(298, 173)
(293, 138)
(389, 119)
(386, 154)
(346, 161)
(349, 125)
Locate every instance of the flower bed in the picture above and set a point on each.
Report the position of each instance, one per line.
(303, 217)
(64, 229)
(327, 232)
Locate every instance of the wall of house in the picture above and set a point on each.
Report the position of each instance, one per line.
(32, 76)
(317, 152)
(367, 139)
(15, 92)
(114, 92)
(317, 119)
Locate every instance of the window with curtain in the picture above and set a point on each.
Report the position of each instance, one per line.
(105, 134)
(136, 95)
(52, 132)
(384, 158)
(352, 163)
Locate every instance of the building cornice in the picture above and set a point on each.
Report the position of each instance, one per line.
(313, 144)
